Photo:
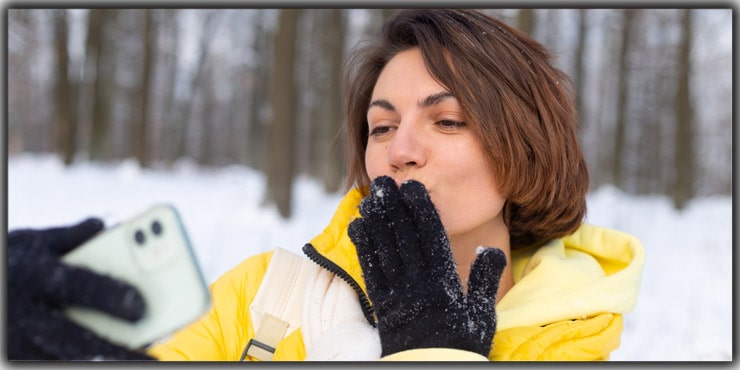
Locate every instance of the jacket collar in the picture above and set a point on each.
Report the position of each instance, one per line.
(334, 243)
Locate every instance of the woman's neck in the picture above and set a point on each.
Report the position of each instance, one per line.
(464, 253)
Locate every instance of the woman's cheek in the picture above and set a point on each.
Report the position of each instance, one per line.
(373, 162)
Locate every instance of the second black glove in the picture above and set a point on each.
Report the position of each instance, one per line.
(39, 285)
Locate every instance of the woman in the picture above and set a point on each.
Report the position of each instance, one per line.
(461, 236)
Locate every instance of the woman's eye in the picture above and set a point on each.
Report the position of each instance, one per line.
(380, 130)
(446, 123)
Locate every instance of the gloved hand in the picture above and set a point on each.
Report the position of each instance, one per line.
(411, 276)
(39, 284)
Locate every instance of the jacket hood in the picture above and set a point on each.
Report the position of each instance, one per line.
(593, 270)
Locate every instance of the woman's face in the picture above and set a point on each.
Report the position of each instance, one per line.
(417, 130)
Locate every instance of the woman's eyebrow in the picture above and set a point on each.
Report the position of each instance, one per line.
(425, 103)
(436, 99)
(382, 103)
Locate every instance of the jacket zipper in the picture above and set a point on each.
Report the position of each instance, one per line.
(319, 259)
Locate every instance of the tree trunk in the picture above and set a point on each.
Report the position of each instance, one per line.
(525, 21)
(170, 117)
(281, 138)
(20, 104)
(192, 124)
(683, 190)
(66, 125)
(102, 61)
(259, 115)
(207, 120)
(622, 95)
(326, 159)
(86, 97)
(140, 137)
(580, 70)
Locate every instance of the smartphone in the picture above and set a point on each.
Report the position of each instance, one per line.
(151, 252)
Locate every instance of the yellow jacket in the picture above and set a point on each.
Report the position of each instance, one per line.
(566, 303)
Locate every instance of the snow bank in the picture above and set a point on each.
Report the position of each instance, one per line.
(683, 313)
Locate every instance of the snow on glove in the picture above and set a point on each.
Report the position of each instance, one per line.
(39, 284)
(411, 276)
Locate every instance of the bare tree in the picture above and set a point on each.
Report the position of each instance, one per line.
(525, 21)
(651, 103)
(281, 132)
(206, 121)
(66, 122)
(580, 70)
(325, 158)
(100, 73)
(192, 127)
(683, 190)
(21, 48)
(259, 115)
(140, 140)
(170, 116)
(622, 98)
(665, 116)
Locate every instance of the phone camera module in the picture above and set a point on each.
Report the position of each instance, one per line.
(139, 237)
(156, 228)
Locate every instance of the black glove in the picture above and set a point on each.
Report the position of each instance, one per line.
(411, 276)
(39, 285)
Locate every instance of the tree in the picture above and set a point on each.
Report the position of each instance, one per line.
(210, 79)
(325, 159)
(580, 70)
(525, 21)
(281, 132)
(141, 125)
(66, 122)
(21, 48)
(622, 98)
(258, 114)
(197, 89)
(100, 67)
(170, 116)
(683, 190)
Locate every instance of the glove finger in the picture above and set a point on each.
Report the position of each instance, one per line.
(485, 274)
(57, 337)
(64, 239)
(406, 234)
(374, 203)
(368, 256)
(383, 192)
(436, 251)
(78, 286)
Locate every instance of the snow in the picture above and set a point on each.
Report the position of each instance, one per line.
(684, 311)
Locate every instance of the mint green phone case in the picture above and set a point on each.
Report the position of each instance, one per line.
(151, 252)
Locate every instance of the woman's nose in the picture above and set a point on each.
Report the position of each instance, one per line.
(407, 149)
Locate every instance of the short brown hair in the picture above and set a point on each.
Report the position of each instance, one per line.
(521, 106)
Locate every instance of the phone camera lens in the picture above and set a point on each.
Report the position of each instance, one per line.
(139, 237)
(156, 228)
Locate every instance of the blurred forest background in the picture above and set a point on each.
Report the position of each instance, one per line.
(260, 88)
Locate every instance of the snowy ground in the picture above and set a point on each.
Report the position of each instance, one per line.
(684, 312)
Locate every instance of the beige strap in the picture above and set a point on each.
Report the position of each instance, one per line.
(271, 331)
(277, 306)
